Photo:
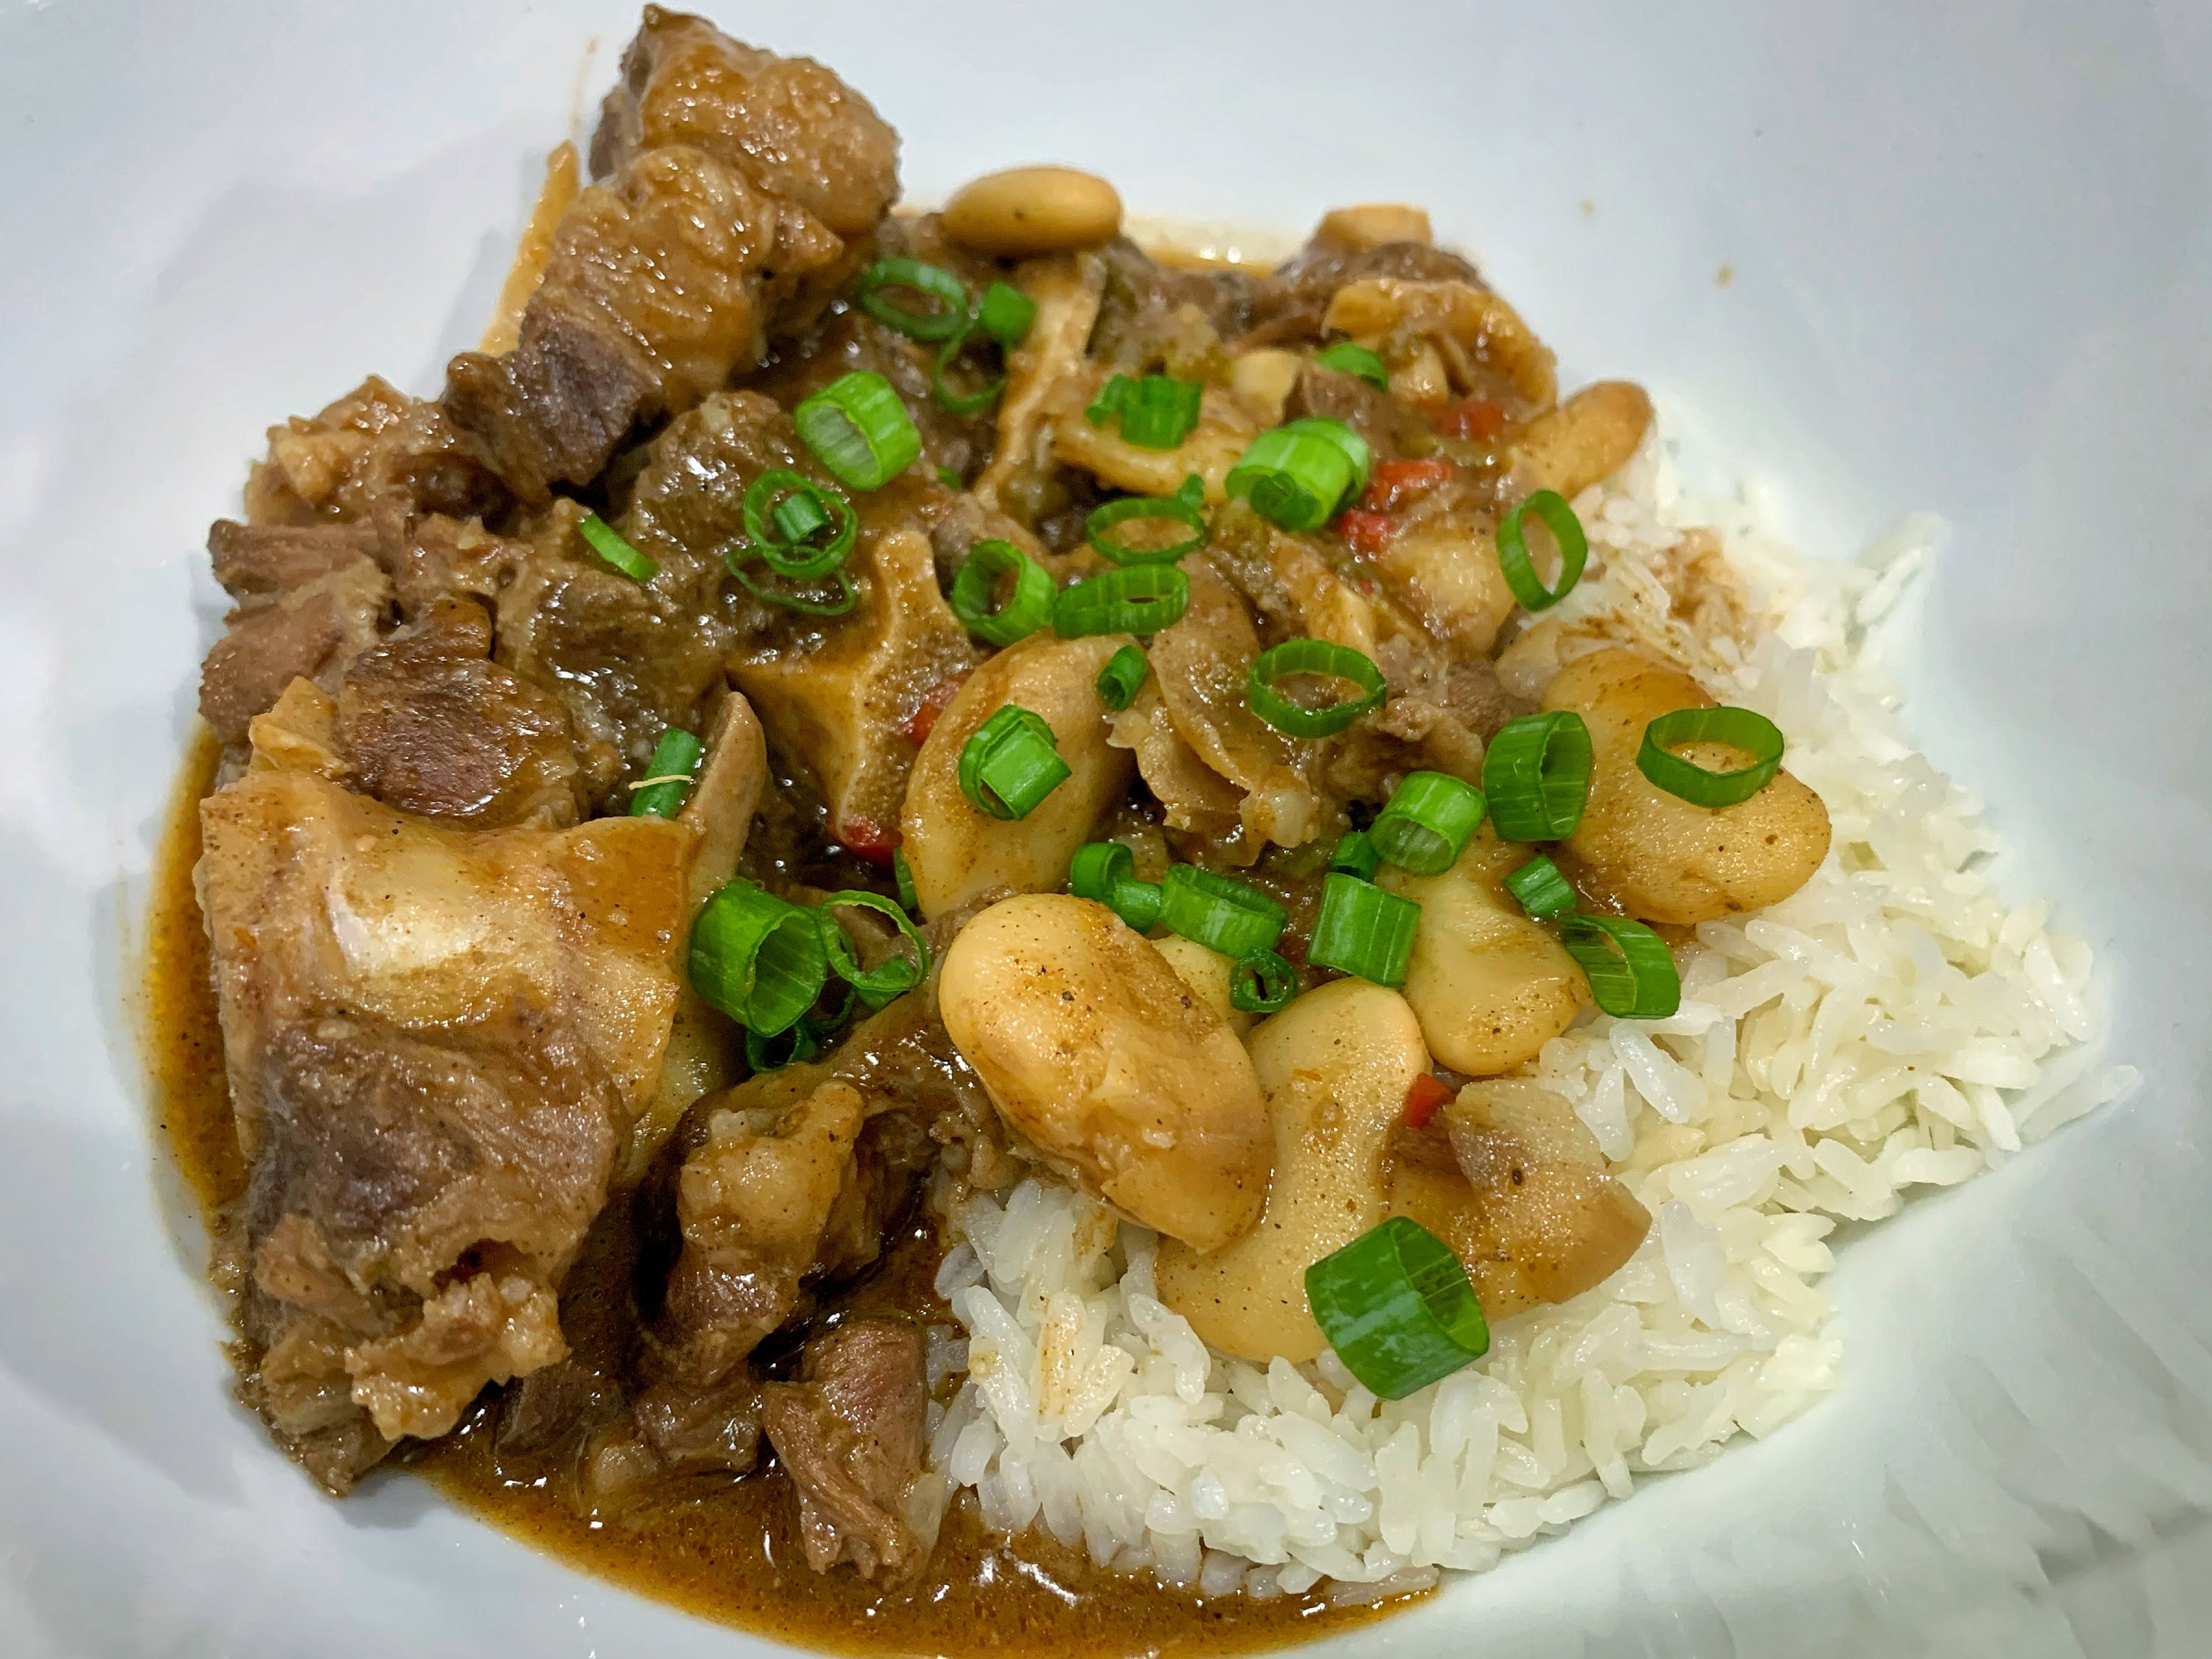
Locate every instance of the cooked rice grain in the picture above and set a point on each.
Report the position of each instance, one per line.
(1894, 1024)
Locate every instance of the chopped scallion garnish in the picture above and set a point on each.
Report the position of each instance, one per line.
(1355, 855)
(1631, 971)
(1397, 1306)
(1106, 402)
(857, 427)
(784, 516)
(895, 976)
(1536, 774)
(793, 1046)
(1427, 823)
(1566, 530)
(1160, 412)
(1220, 912)
(604, 540)
(871, 292)
(1348, 357)
(976, 585)
(1320, 658)
(667, 781)
(1298, 476)
(1740, 728)
(903, 874)
(758, 958)
(1262, 983)
(1107, 870)
(1542, 891)
(1122, 678)
(1011, 763)
(1361, 929)
(1142, 599)
(961, 402)
(1005, 315)
(1135, 509)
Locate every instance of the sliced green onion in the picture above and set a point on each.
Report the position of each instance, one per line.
(1220, 913)
(667, 778)
(894, 976)
(1520, 575)
(1123, 677)
(1631, 971)
(1097, 866)
(1262, 983)
(1106, 871)
(1159, 411)
(1011, 763)
(1355, 855)
(794, 1045)
(1543, 891)
(1107, 401)
(1298, 476)
(756, 958)
(961, 402)
(857, 427)
(949, 477)
(903, 874)
(1142, 599)
(1397, 1306)
(783, 514)
(1740, 728)
(976, 588)
(1427, 823)
(604, 540)
(1172, 509)
(797, 517)
(1348, 357)
(1005, 315)
(1536, 773)
(846, 597)
(1294, 656)
(1191, 492)
(1361, 929)
(933, 281)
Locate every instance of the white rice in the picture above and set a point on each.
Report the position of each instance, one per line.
(1894, 1024)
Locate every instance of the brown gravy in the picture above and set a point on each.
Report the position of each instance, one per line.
(727, 1552)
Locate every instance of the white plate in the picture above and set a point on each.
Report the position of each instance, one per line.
(1971, 272)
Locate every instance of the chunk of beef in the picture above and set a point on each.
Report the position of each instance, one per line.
(451, 558)
(686, 505)
(790, 1179)
(377, 457)
(260, 562)
(627, 660)
(660, 282)
(715, 1430)
(311, 631)
(1389, 428)
(427, 723)
(850, 1437)
(773, 1195)
(434, 1038)
(1289, 303)
(1153, 319)
(789, 124)
(553, 1407)
(438, 557)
